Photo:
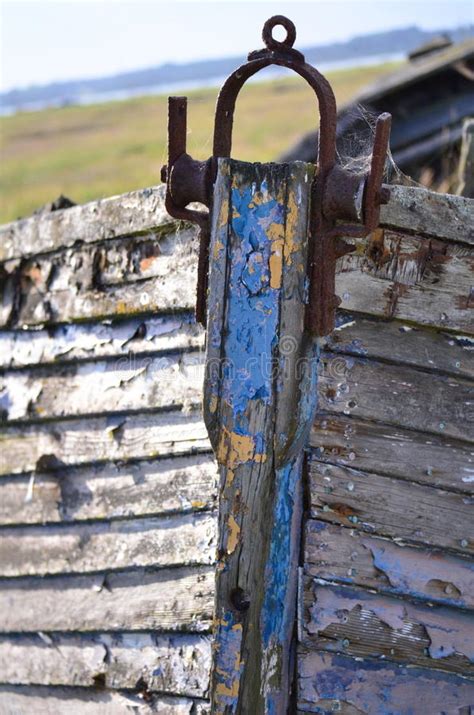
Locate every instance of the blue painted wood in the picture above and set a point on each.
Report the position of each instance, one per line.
(259, 401)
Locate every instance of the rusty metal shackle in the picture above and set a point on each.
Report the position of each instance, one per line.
(337, 195)
(281, 54)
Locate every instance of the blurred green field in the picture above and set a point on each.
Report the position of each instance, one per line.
(88, 152)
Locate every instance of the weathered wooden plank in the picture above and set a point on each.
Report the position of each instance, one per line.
(127, 384)
(141, 488)
(431, 214)
(394, 276)
(73, 442)
(372, 447)
(348, 384)
(163, 541)
(178, 664)
(398, 276)
(404, 344)
(352, 557)
(258, 408)
(369, 625)
(164, 600)
(353, 385)
(40, 700)
(89, 341)
(336, 683)
(354, 334)
(43, 700)
(391, 507)
(397, 395)
(134, 212)
(127, 276)
(409, 208)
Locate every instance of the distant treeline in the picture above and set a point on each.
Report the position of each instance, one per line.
(394, 41)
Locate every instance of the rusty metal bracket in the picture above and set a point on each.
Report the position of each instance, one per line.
(343, 204)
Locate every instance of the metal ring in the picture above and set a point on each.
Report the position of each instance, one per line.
(268, 38)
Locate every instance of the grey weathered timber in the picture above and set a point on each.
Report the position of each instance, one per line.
(141, 488)
(176, 664)
(391, 507)
(127, 384)
(259, 398)
(145, 336)
(53, 445)
(350, 556)
(42, 700)
(376, 447)
(393, 394)
(77, 342)
(392, 275)
(174, 379)
(124, 277)
(411, 279)
(336, 683)
(132, 213)
(403, 344)
(417, 210)
(178, 599)
(157, 541)
(466, 161)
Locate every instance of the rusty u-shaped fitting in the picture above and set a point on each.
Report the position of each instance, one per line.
(337, 195)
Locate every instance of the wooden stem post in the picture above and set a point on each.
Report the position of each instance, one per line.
(259, 401)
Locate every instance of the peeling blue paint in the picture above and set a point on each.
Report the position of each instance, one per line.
(274, 625)
(252, 314)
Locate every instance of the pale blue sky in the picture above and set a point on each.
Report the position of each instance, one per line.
(46, 41)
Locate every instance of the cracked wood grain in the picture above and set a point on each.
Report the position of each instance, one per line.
(177, 599)
(43, 700)
(415, 209)
(176, 664)
(397, 395)
(406, 345)
(391, 507)
(126, 384)
(54, 445)
(79, 548)
(410, 279)
(393, 451)
(135, 212)
(91, 341)
(118, 279)
(144, 488)
(393, 275)
(419, 210)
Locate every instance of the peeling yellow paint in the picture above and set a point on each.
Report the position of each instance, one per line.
(276, 264)
(233, 537)
(291, 245)
(223, 213)
(225, 691)
(235, 449)
(218, 247)
(213, 404)
(196, 504)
